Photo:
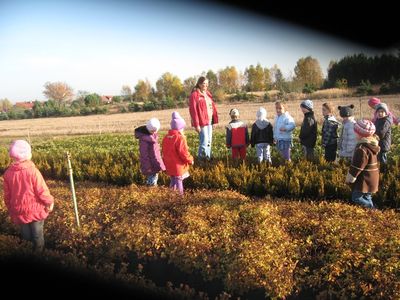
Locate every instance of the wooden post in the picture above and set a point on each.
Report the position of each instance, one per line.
(71, 179)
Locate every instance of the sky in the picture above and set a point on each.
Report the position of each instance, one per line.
(99, 46)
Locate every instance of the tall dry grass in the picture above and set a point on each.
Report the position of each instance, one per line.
(125, 123)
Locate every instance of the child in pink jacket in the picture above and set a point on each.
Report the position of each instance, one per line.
(26, 194)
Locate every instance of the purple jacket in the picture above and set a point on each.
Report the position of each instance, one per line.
(149, 149)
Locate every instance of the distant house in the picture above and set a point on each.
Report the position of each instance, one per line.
(25, 105)
(106, 99)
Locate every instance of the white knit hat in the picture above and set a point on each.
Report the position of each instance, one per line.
(307, 104)
(153, 124)
(261, 113)
(20, 150)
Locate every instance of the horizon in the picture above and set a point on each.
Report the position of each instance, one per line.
(99, 46)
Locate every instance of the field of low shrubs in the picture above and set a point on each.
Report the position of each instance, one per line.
(225, 240)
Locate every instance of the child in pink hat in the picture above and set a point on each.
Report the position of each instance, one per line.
(175, 152)
(26, 194)
(363, 174)
(373, 103)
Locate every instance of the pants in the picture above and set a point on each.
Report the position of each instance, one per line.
(239, 152)
(330, 152)
(308, 153)
(263, 152)
(177, 184)
(205, 142)
(284, 148)
(152, 179)
(382, 157)
(363, 199)
(33, 232)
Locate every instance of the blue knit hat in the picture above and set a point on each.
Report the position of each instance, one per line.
(307, 104)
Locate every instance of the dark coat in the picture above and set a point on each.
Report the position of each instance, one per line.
(261, 135)
(384, 132)
(149, 149)
(308, 130)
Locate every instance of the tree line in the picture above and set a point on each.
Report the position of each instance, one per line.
(170, 92)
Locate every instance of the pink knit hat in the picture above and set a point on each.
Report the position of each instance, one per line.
(364, 128)
(373, 102)
(20, 150)
(177, 121)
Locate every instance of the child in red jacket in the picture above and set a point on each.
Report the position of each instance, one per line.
(237, 135)
(26, 194)
(175, 152)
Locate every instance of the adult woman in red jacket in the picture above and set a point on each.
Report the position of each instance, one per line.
(204, 115)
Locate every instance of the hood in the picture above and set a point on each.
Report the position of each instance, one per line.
(262, 123)
(332, 119)
(371, 143)
(143, 134)
(22, 165)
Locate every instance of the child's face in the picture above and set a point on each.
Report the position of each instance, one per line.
(304, 110)
(325, 111)
(234, 117)
(279, 109)
(153, 131)
(204, 86)
(381, 113)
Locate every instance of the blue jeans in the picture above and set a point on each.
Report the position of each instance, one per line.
(284, 148)
(152, 179)
(33, 232)
(177, 184)
(382, 157)
(363, 199)
(205, 142)
(263, 152)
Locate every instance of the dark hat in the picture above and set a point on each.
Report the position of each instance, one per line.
(346, 111)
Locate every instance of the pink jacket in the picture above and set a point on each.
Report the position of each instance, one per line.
(198, 110)
(26, 194)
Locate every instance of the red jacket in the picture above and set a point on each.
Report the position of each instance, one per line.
(26, 194)
(175, 153)
(198, 110)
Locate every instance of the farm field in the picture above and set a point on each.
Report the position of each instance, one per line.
(125, 123)
(285, 230)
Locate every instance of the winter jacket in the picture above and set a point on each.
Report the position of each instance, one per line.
(198, 109)
(348, 139)
(237, 134)
(261, 132)
(175, 153)
(149, 149)
(26, 194)
(308, 130)
(384, 132)
(284, 120)
(329, 131)
(364, 169)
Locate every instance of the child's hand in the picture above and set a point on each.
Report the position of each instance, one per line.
(50, 207)
(192, 162)
(198, 129)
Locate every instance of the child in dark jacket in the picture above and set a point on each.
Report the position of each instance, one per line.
(364, 170)
(329, 132)
(383, 125)
(150, 157)
(237, 135)
(308, 130)
(262, 136)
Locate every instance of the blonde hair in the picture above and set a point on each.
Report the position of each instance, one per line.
(329, 107)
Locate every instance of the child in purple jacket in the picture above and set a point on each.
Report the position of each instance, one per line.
(150, 157)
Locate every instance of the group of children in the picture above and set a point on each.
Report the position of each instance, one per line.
(365, 142)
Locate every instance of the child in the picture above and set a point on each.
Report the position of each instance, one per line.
(26, 194)
(262, 136)
(283, 130)
(373, 102)
(347, 140)
(329, 132)
(364, 171)
(237, 135)
(383, 125)
(308, 130)
(176, 154)
(149, 149)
